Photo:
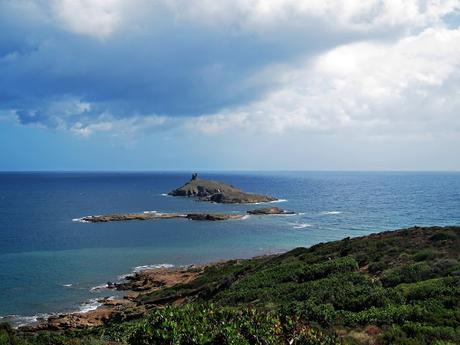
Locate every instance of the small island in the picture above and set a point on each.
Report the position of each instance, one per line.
(206, 190)
(152, 215)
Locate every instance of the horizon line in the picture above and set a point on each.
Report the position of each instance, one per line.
(220, 170)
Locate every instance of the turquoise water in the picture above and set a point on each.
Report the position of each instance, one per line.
(49, 263)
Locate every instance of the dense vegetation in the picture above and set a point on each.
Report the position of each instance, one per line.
(399, 287)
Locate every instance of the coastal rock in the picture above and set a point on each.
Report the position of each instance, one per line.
(212, 217)
(157, 278)
(268, 211)
(129, 216)
(116, 309)
(153, 216)
(218, 192)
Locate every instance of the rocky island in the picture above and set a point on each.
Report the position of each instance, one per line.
(206, 190)
(152, 215)
(268, 211)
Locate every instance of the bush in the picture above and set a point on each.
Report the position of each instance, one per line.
(198, 324)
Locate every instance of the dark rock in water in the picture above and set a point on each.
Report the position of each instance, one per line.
(269, 210)
(219, 192)
(212, 217)
(155, 216)
(129, 216)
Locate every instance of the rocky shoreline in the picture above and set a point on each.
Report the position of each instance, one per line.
(125, 308)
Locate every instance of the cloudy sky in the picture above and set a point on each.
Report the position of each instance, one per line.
(229, 84)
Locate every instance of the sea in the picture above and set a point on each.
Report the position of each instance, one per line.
(51, 262)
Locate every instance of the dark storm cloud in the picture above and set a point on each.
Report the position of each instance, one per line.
(158, 67)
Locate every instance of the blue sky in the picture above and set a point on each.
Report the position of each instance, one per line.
(280, 84)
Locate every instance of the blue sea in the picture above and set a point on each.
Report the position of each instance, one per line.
(50, 263)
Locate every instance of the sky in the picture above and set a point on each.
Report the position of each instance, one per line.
(229, 85)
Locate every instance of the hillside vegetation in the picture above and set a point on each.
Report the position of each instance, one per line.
(400, 287)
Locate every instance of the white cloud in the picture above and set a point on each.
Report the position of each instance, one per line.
(98, 18)
(125, 127)
(411, 86)
(263, 14)
(101, 18)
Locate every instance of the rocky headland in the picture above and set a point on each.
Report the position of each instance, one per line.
(206, 190)
(126, 308)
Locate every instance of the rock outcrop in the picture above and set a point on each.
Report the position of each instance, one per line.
(219, 192)
(213, 216)
(129, 216)
(121, 309)
(154, 215)
(268, 211)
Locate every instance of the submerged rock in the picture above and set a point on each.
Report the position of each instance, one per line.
(219, 192)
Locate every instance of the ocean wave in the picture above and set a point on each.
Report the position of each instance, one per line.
(122, 277)
(153, 212)
(98, 288)
(79, 220)
(21, 320)
(301, 225)
(330, 212)
(89, 305)
(147, 267)
(66, 285)
(277, 201)
(24, 320)
(268, 202)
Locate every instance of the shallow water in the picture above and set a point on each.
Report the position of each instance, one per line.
(49, 263)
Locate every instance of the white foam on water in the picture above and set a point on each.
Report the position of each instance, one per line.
(267, 202)
(330, 212)
(300, 225)
(276, 201)
(147, 267)
(21, 320)
(98, 288)
(89, 305)
(79, 220)
(124, 276)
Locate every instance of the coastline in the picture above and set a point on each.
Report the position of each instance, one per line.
(355, 289)
(132, 286)
(142, 281)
